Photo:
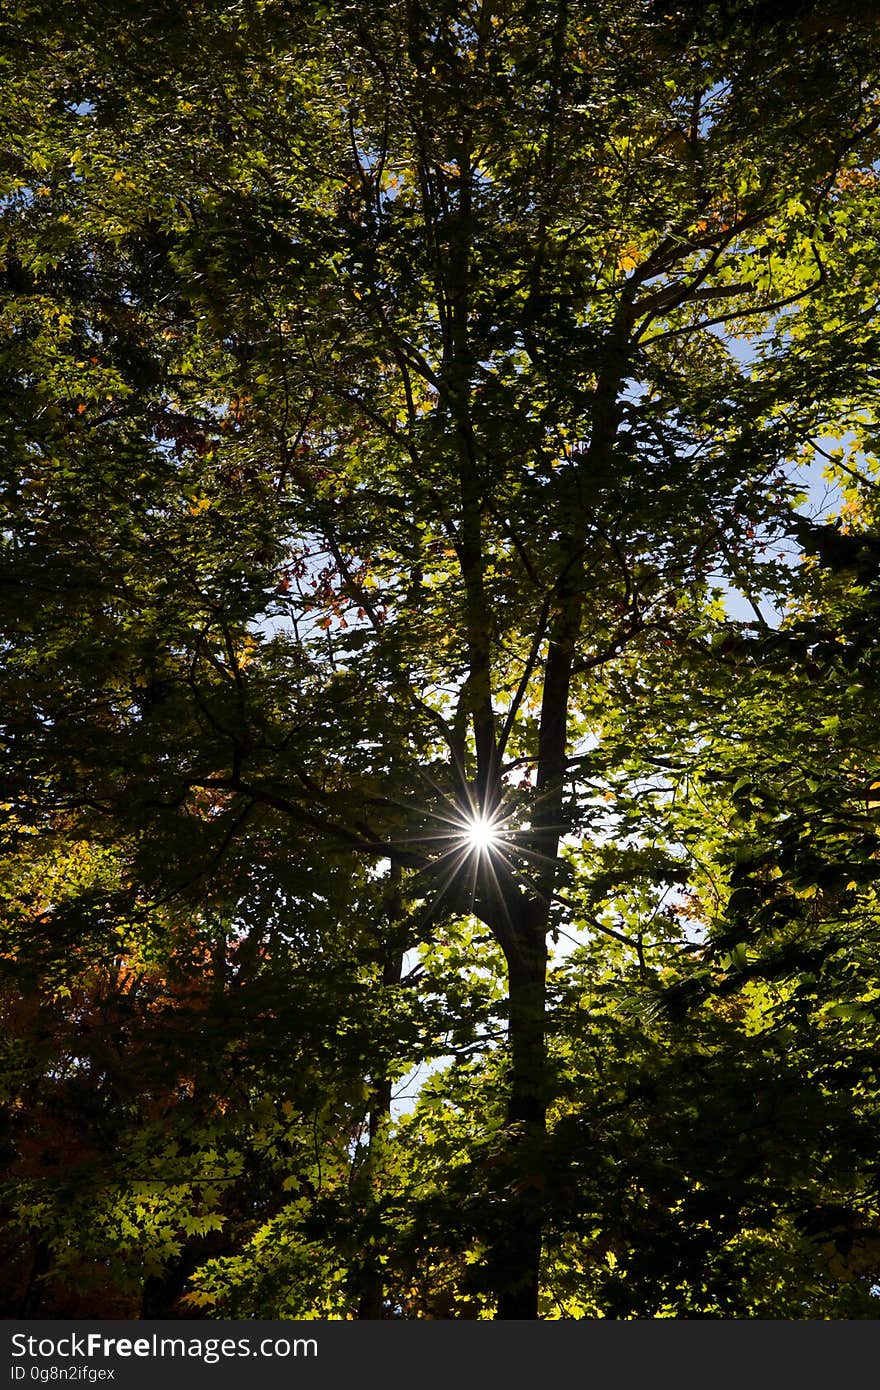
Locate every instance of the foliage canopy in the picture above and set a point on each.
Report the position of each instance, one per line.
(396, 398)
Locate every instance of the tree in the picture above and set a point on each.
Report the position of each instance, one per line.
(380, 418)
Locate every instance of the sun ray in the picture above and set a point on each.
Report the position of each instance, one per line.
(482, 834)
(476, 843)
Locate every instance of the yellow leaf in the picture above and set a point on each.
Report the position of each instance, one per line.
(199, 1300)
(248, 649)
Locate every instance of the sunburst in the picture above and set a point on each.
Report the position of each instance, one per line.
(482, 834)
(487, 845)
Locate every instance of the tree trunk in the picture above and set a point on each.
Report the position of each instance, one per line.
(371, 1301)
(32, 1298)
(516, 1258)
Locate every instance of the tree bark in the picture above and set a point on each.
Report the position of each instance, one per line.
(516, 1258)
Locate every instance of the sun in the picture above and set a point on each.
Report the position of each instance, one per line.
(481, 835)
